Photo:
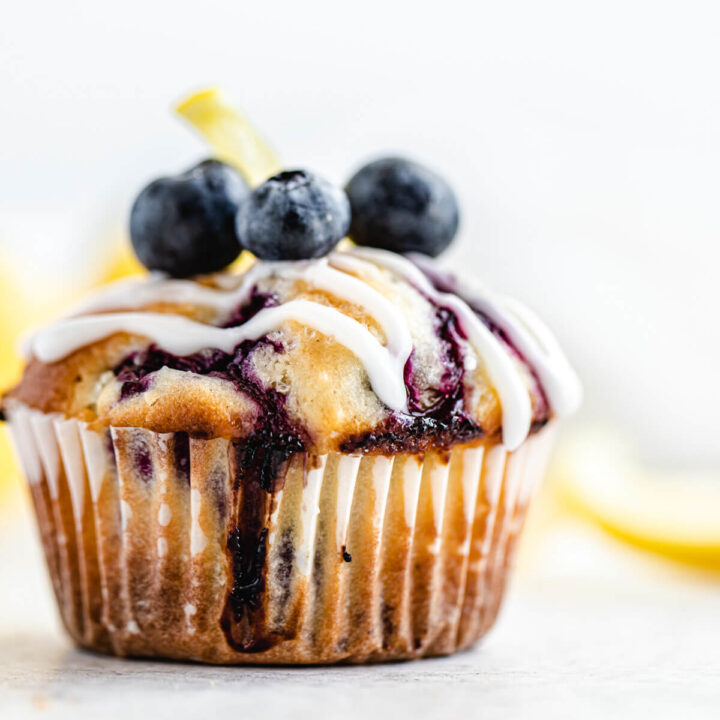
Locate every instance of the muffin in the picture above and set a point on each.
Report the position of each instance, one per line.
(324, 458)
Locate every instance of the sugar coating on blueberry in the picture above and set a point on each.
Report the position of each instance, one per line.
(185, 225)
(402, 206)
(295, 215)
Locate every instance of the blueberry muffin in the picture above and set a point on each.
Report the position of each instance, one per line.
(326, 457)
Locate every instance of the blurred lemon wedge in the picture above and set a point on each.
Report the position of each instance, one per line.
(18, 308)
(122, 263)
(11, 319)
(674, 514)
(232, 137)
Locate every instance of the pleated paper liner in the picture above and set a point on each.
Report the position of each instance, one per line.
(156, 546)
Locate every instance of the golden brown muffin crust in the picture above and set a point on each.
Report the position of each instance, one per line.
(311, 385)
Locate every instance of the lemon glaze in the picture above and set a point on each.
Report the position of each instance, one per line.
(339, 275)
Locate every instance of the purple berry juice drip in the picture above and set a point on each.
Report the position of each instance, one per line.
(446, 282)
(182, 456)
(258, 301)
(144, 462)
(244, 621)
(248, 561)
(436, 416)
(268, 447)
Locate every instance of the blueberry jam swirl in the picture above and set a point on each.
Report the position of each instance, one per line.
(135, 372)
(445, 282)
(437, 417)
(275, 439)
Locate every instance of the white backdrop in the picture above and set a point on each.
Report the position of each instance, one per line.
(582, 138)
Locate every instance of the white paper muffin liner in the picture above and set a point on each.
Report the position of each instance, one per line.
(366, 558)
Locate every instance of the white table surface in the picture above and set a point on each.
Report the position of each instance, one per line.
(590, 629)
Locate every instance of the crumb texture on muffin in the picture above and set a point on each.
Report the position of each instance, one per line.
(363, 351)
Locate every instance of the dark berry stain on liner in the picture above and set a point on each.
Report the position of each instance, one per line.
(244, 620)
(144, 461)
(263, 455)
(247, 569)
(182, 456)
(286, 560)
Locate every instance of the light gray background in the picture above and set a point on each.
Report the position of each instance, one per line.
(582, 138)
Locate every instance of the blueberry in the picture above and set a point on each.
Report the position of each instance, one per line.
(294, 215)
(401, 206)
(185, 225)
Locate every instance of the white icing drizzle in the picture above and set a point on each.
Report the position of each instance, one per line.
(529, 334)
(180, 336)
(134, 294)
(525, 330)
(335, 275)
(501, 369)
(391, 320)
(532, 337)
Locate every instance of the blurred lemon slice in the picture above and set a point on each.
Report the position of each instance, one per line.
(11, 318)
(121, 263)
(232, 137)
(677, 515)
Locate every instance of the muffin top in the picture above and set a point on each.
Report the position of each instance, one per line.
(363, 350)
(320, 345)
